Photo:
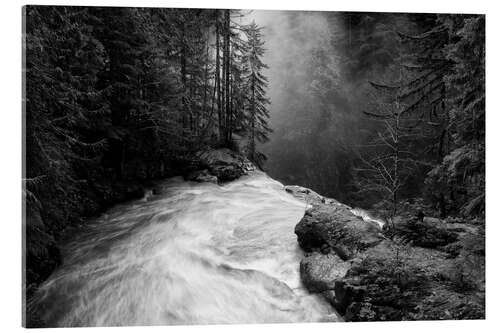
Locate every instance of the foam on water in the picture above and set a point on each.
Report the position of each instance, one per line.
(366, 216)
(196, 254)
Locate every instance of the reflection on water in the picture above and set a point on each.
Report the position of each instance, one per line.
(195, 254)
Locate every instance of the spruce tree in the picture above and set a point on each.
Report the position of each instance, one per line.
(257, 102)
(65, 112)
(460, 176)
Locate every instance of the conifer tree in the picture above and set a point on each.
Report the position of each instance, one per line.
(239, 71)
(460, 176)
(65, 112)
(115, 96)
(424, 91)
(257, 102)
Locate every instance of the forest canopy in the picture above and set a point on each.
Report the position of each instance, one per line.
(117, 96)
(379, 108)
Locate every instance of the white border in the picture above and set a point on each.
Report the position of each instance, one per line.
(10, 152)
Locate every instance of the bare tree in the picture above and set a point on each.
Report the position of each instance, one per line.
(388, 160)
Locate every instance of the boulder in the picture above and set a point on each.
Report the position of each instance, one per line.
(311, 197)
(224, 163)
(432, 220)
(202, 176)
(336, 227)
(382, 285)
(319, 272)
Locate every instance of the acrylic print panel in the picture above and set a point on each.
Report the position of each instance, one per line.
(213, 166)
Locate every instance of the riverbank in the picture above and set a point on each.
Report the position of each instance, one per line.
(415, 270)
(189, 253)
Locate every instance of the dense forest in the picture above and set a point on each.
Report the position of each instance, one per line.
(380, 108)
(385, 111)
(119, 96)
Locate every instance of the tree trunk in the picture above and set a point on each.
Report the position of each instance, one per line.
(229, 120)
(205, 85)
(217, 75)
(252, 138)
(227, 31)
(184, 76)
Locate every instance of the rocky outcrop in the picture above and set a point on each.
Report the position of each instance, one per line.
(391, 282)
(223, 164)
(201, 176)
(334, 226)
(320, 271)
(412, 271)
(311, 197)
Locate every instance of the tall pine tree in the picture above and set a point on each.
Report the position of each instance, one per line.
(257, 102)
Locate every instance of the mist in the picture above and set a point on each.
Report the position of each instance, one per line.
(311, 113)
(320, 65)
(290, 38)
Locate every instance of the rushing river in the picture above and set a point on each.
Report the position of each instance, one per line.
(194, 254)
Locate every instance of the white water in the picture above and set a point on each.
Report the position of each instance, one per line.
(196, 254)
(367, 217)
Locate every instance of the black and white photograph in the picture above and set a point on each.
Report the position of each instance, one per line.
(196, 166)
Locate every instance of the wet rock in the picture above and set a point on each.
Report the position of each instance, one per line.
(378, 288)
(329, 225)
(346, 294)
(311, 197)
(415, 270)
(403, 286)
(225, 164)
(202, 176)
(432, 220)
(319, 272)
(336, 227)
(303, 193)
(325, 249)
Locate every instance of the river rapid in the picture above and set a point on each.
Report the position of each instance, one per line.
(198, 253)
